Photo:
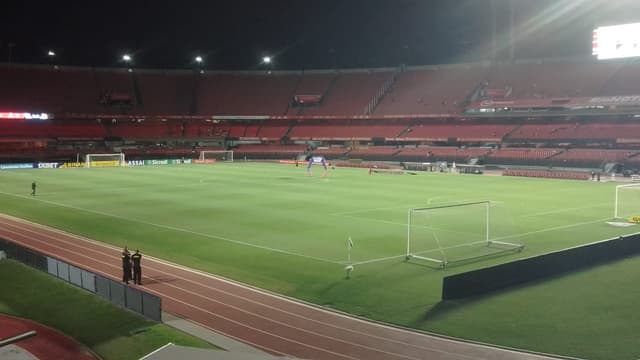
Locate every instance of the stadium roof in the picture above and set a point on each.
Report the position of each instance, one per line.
(310, 34)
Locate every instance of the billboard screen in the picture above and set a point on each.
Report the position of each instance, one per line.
(618, 41)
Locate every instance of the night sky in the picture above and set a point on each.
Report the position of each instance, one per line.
(302, 34)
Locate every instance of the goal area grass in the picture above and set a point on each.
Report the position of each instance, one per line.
(274, 227)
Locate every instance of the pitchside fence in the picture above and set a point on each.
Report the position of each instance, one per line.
(482, 281)
(136, 300)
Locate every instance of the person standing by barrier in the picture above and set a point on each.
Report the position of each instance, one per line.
(137, 270)
(126, 266)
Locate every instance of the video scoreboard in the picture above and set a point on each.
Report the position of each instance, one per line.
(618, 41)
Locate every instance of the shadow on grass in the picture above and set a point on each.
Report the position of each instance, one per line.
(498, 252)
(445, 307)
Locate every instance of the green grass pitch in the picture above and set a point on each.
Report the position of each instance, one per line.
(272, 226)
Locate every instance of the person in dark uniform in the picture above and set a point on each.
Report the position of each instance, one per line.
(126, 266)
(137, 270)
(33, 188)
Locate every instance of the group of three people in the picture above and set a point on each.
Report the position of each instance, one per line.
(131, 268)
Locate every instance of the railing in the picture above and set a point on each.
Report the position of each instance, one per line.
(371, 106)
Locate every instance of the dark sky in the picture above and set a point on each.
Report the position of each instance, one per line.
(302, 34)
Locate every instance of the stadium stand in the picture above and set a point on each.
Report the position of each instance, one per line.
(346, 130)
(457, 131)
(245, 94)
(374, 153)
(416, 109)
(430, 90)
(274, 129)
(572, 175)
(349, 93)
(166, 93)
(576, 130)
(440, 153)
(266, 151)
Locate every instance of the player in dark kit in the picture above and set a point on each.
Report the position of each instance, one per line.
(126, 266)
(137, 270)
(33, 188)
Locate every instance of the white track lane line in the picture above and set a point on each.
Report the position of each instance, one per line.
(252, 301)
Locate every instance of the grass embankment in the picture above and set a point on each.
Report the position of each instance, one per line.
(109, 331)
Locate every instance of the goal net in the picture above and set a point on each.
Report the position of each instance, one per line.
(216, 155)
(627, 203)
(448, 234)
(104, 160)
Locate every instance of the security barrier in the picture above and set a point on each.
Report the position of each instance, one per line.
(482, 281)
(139, 301)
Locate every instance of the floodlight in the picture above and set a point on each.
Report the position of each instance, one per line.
(266, 59)
(198, 59)
(126, 57)
(51, 53)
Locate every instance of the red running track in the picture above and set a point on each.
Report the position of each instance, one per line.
(47, 344)
(273, 323)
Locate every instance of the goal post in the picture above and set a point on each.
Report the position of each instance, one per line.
(454, 233)
(104, 160)
(627, 203)
(216, 155)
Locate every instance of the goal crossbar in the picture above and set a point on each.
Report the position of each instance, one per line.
(617, 213)
(99, 160)
(218, 155)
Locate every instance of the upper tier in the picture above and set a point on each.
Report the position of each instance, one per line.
(380, 92)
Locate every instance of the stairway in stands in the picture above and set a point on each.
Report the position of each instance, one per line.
(371, 106)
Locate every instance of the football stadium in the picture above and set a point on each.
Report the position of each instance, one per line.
(471, 193)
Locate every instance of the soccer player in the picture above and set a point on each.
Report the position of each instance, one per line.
(316, 159)
(33, 188)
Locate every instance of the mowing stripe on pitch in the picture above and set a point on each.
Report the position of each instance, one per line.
(234, 241)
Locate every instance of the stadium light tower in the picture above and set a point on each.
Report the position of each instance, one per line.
(266, 60)
(126, 58)
(51, 56)
(198, 59)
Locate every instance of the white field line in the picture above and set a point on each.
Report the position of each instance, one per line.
(156, 350)
(406, 207)
(340, 213)
(271, 320)
(498, 238)
(405, 224)
(63, 258)
(369, 219)
(412, 332)
(234, 241)
(563, 210)
(561, 227)
(75, 244)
